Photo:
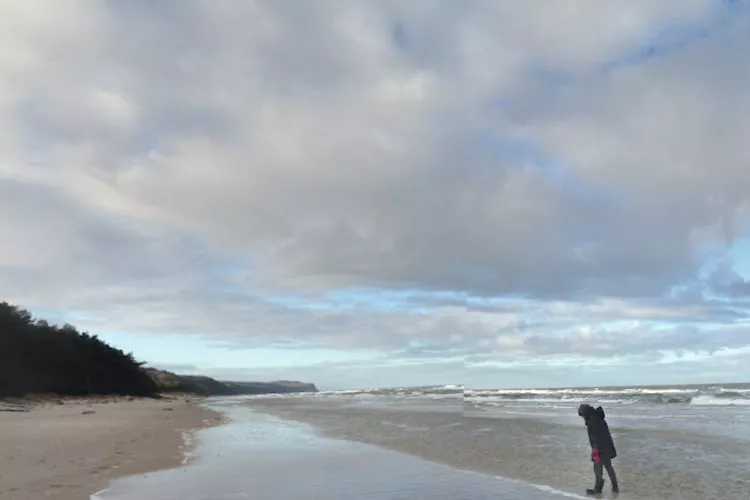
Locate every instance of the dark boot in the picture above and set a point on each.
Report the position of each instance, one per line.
(597, 489)
(612, 476)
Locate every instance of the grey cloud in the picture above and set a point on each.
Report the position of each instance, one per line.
(128, 280)
(307, 150)
(59, 249)
(613, 342)
(738, 288)
(346, 159)
(469, 303)
(725, 281)
(636, 370)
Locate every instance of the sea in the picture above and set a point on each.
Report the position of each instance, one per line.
(454, 442)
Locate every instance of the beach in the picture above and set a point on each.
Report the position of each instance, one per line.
(386, 444)
(70, 449)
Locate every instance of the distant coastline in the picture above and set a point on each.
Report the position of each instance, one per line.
(168, 382)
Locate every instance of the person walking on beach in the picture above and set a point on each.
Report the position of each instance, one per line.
(602, 447)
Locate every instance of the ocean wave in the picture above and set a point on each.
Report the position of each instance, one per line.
(706, 395)
(716, 395)
(450, 391)
(715, 400)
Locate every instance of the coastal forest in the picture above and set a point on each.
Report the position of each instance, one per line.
(36, 357)
(39, 358)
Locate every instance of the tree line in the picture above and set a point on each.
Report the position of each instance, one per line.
(36, 357)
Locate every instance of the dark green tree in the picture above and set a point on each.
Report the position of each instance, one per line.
(36, 357)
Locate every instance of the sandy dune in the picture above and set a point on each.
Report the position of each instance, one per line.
(69, 451)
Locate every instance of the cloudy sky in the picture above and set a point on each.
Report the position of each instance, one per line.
(371, 193)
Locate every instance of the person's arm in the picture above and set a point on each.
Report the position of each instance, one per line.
(595, 432)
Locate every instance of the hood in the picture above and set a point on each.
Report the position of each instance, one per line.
(587, 411)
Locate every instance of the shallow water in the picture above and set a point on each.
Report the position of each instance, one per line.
(260, 457)
(713, 420)
(665, 451)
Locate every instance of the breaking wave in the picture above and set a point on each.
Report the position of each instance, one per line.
(729, 395)
(738, 395)
(706, 400)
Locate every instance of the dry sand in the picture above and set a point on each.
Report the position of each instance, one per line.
(64, 451)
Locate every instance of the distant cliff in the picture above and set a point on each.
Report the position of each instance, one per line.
(275, 387)
(171, 382)
(207, 386)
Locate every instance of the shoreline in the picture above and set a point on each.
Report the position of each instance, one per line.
(72, 448)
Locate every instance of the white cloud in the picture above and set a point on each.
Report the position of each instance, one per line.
(487, 147)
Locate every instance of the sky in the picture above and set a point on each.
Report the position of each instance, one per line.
(385, 193)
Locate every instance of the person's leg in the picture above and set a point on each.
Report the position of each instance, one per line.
(598, 477)
(612, 475)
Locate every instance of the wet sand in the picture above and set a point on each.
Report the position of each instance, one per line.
(652, 464)
(70, 450)
(257, 456)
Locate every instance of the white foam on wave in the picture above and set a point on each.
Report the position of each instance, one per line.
(577, 392)
(546, 489)
(504, 400)
(188, 439)
(712, 401)
(549, 489)
(406, 427)
(548, 402)
(731, 390)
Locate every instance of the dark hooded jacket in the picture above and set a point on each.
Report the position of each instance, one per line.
(599, 436)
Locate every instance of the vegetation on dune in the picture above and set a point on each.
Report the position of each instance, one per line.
(36, 357)
(167, 382)
(276, 387)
